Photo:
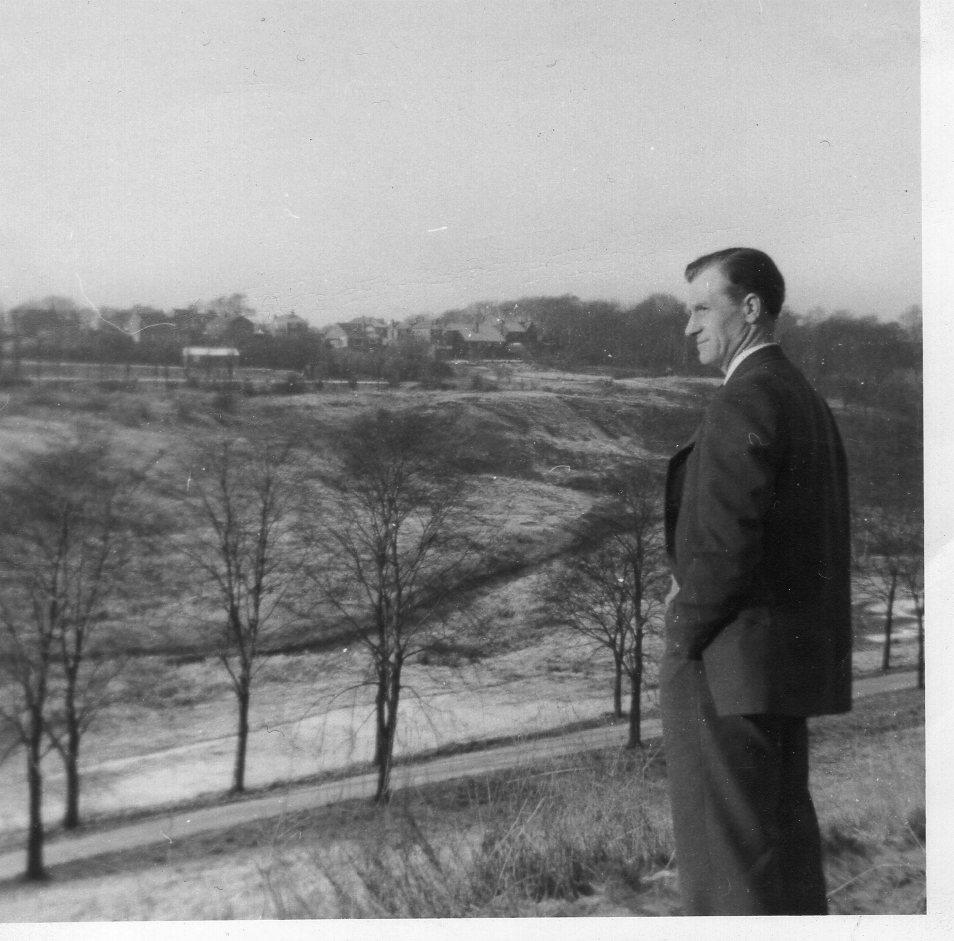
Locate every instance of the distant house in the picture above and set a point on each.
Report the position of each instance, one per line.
(362, 334)
(519, 331)
(336, 336)
(420, 328)
(192, 323)
(230, 328)
(472, 339)
(286, 325)
(210, 360)
(368, 333)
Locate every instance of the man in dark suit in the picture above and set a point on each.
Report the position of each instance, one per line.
(758, 629)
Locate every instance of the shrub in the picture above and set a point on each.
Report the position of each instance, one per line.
(496, 846)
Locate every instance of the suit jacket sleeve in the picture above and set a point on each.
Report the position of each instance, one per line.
(729, 491)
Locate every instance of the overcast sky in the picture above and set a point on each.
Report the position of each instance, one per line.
(391, 158)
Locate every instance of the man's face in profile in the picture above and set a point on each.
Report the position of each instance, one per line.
(716, 320)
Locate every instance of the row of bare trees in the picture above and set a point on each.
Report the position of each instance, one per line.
(66, 525)
(379, 539)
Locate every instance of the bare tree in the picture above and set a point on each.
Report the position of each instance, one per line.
(64, 540)
(639, 536)
(878, 562)
(400, 540)
(594, 599)
(243, 498)
(26, 660)
(912, 579)
(611, 594)
(888, 559)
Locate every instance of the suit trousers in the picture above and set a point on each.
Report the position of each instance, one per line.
(747, 839)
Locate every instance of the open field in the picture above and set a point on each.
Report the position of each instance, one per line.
(536, 450)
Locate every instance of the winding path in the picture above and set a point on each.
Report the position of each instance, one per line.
(183, 824)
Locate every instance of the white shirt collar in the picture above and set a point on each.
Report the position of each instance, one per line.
(739, 357)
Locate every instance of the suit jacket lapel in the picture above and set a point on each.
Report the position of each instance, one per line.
(675, 478)
(676, 475)
(676, 472)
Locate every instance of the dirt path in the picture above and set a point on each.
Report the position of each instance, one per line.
(180, 825)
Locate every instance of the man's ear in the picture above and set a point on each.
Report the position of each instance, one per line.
(751, 307)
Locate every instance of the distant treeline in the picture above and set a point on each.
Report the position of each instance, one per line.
(647, 336)
(858, 359)
(854, 358)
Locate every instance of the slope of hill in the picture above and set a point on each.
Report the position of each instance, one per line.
(534, 451)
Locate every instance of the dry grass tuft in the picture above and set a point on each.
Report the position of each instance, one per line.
(869, 790)
(504, 846)
(591, 835)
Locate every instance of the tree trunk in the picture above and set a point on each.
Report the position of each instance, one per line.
(635, 715)
(618, 688)
(243, 693)
(635, 693)
(387, 729)
(71, 818)
(920, 614)
(71, 758)
(35, 869)
(382, 794)
(888, 624)
(381, 752)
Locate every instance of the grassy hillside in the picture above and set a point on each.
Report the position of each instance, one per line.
(533, 451)
(533, 459)
(588, 834)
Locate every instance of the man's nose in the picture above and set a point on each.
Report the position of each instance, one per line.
(691, 326)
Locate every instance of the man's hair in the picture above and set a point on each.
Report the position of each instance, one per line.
(748, 271)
